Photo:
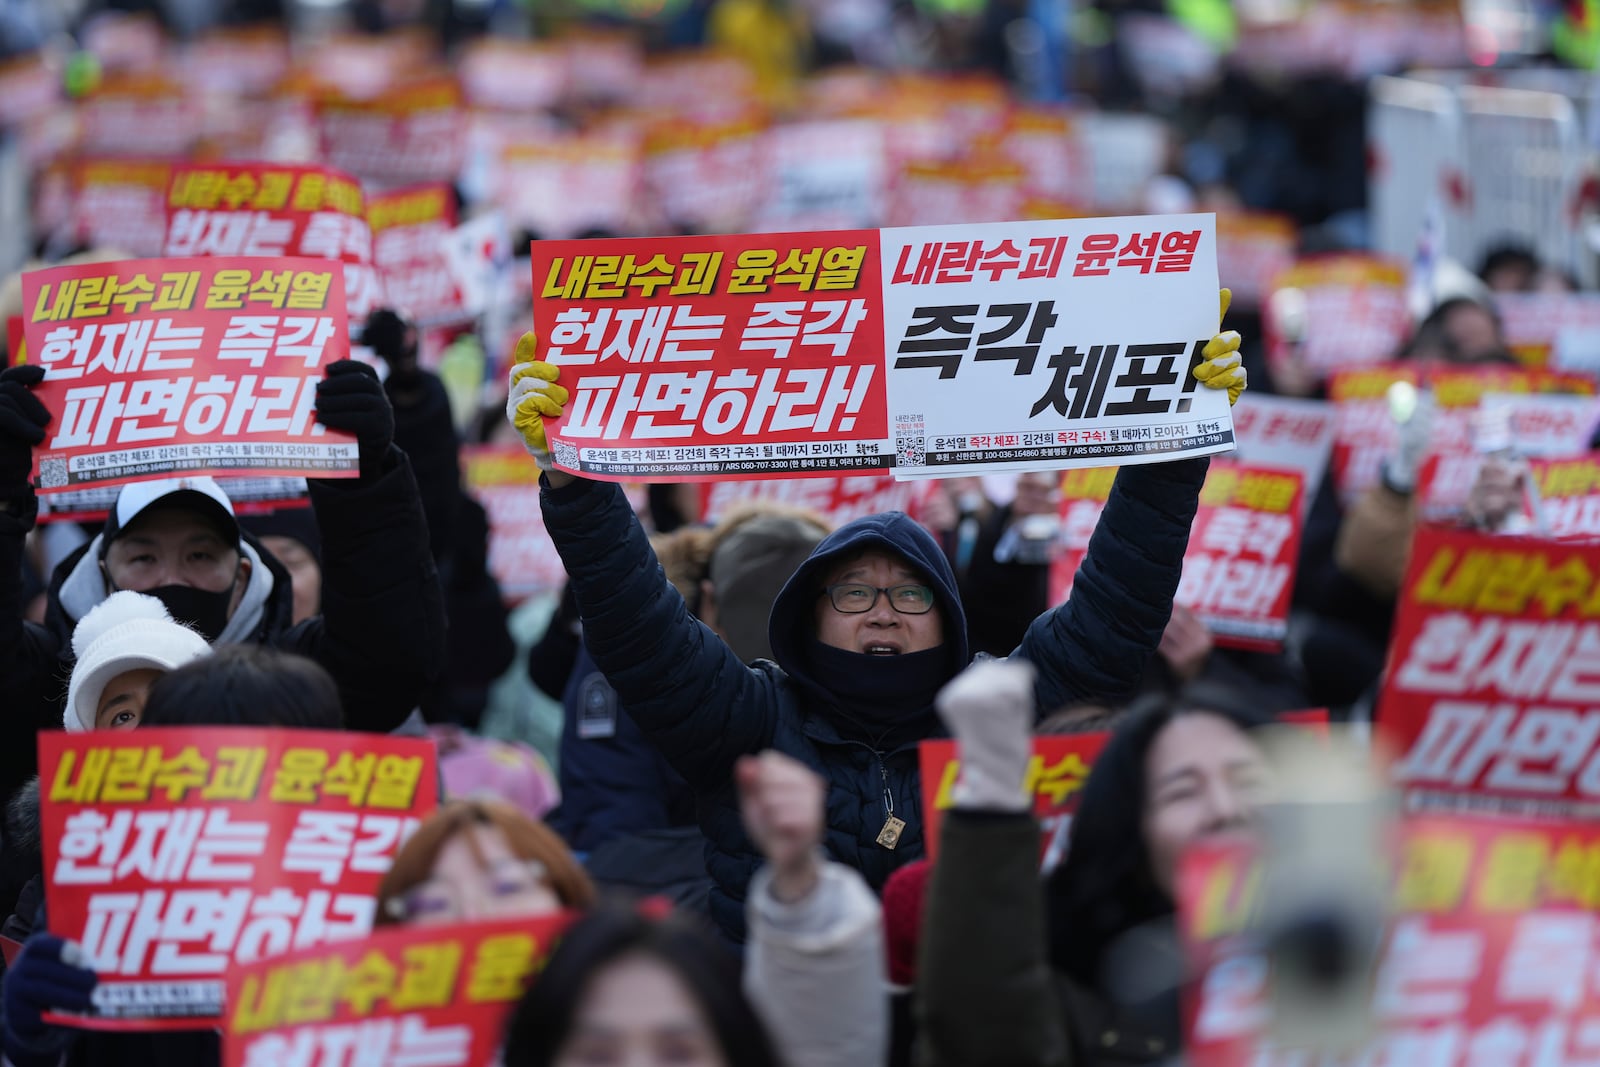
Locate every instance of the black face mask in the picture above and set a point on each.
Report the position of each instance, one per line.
(206, 612)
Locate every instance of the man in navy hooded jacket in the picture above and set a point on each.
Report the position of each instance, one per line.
(851, 692)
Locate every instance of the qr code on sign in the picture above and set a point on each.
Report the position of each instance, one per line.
(52, 473)
(910, 451)
(567, 456)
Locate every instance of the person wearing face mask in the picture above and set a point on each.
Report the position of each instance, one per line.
(863, 636)
(1086, 973)
(626, 987)
(380, 631)
(481, 859)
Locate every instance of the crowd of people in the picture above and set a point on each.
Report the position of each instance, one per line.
(732, 808)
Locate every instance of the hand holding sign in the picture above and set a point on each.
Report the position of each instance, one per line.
(534, 397)
(1222, 368)
(48, 976)
(22, 422)
(350, 398)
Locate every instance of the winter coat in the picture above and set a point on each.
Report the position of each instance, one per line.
(986, 995)
(815, 970)
(381, 634)
(703, 708)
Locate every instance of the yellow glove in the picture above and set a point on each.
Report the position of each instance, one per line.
(534, 397)
(1222, 368)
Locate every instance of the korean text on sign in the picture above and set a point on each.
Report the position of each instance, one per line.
(1489, 955)
(731, 356)
(1050, 344)
(1239, 568)
(173, 855)
(436, 996)
(162, 367)
(928, 351)
(1494, 674)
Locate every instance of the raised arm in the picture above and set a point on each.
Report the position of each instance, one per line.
(1096, 645)
(680, 682)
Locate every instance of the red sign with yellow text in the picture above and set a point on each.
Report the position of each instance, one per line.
(1244, 547)
(1488, 957)
(408, 134)
(409, 230)
(1494, 672)
(434, 995)
(745, 356)
(522, 557)
(1056, 774)
(173, 855)
(267, 209)
(1567, 496)
(837, 500)
(160, 367)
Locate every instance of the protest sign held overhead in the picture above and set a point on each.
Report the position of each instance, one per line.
(437, 995)
(522, 557)
(1488, 701)
(266, 209)
(840, 351)
(172, 855)
(1244, 547)
(161, 367)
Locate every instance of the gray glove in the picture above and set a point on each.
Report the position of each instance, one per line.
(989, 708)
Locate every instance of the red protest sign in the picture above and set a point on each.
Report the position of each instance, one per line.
(1238, 571)
(436, 995)
(1353, 313)
(697, 318)
(119, 203)
(522, 557)
(838, 500)
(265, 209)
(564, 183)
(172, 855)
(155, 368)
(1567, 494)
(1491, 681)
(1284, 431)
(1552, 329)
(1253, 250)
(407, 135)
(1056, 773)
(143, 115)
(1487, 956)
(708, 175)
(410, 228)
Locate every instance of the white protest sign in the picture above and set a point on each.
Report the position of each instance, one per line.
(1050, 344)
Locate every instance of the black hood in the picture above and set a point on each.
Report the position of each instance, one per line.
(792, 624)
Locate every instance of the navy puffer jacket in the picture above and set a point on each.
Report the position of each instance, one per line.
(704, 709)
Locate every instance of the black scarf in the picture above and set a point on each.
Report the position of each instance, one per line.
(884, 701)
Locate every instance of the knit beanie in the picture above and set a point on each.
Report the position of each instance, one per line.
(125, 632)
(905, 895)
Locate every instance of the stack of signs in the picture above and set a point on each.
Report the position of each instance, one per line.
(158, 368)
(1488, 700)
(1238, 571)
(930, 351)
(1488, 955)
(174, 855)
(264, 209)
(522, 557)
(436, 995)
(1353, 313)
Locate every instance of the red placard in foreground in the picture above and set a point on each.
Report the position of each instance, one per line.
(156, 368)
(430, 995)
(172, 855)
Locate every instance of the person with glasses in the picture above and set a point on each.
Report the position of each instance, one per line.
(863, 636)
